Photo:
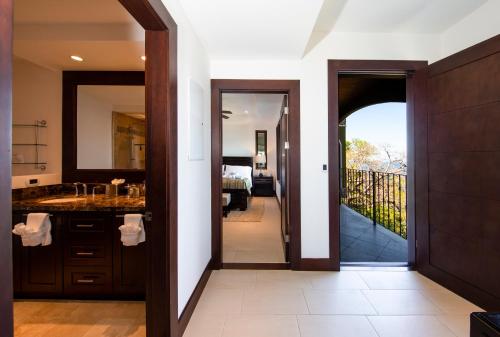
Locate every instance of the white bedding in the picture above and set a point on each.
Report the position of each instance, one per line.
(239, 172)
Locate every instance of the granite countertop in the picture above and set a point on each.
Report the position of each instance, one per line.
(100, 202)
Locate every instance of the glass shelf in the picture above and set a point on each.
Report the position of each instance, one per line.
(29, 144)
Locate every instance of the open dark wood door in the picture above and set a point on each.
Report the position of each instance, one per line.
(284, 179)
(457, 156)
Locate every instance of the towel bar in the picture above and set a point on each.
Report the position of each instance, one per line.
(123, 215)
(49, 214)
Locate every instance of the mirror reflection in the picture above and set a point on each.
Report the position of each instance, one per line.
(111, 128)
(261, 149)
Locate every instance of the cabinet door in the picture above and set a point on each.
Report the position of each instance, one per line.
(129, 267)
(41, 266)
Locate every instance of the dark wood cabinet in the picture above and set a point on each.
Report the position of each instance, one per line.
(38, 270)
(129, 267)
(85, 260)
(263, 186)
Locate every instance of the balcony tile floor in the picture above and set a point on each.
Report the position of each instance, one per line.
(361, 241)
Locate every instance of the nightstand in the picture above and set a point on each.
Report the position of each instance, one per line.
(263, 186)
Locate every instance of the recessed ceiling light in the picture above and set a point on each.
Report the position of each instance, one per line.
(76, 58)
(143, 57)
(246, 111)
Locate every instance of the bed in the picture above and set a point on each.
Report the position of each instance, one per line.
(238, 186)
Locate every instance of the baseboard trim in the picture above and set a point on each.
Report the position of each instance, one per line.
(479, 297)
(317, 265)
(257, 266)
(193, 300)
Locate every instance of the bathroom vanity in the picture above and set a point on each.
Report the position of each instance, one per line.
(86, 258)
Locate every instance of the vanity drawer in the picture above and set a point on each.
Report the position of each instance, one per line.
(98, 253)
(87, 224)
(85, 280)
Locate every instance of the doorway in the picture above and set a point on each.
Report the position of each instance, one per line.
(362, 225)
(161, 113)
(285, 144)
(252, 209)
(373, 168)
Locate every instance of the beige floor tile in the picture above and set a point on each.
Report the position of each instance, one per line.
(335, 326)
(458, 324)
(401, 302)
(409, 326)
(255, 242)
(449, 302)
(338, 302)
(232, 279)
(79, 318)
(114, 327)
(221, 301)
(335, 280)
(205, 325)
(397, 280)
(261, 326)
(274, 301)
(282, 279)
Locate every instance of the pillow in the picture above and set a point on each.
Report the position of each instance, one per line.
(239, 171)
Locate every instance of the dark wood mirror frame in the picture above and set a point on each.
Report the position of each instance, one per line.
(257, 132)
(71, 81)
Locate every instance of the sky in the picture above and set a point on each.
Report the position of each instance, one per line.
(380, 124)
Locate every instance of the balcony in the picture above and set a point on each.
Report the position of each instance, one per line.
(373, 224)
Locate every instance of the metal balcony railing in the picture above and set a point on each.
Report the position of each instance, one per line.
(377, 195)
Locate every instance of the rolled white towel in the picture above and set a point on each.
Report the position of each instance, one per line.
(132, 230)
(36, 231)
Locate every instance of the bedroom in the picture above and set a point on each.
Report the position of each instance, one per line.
(252, 214)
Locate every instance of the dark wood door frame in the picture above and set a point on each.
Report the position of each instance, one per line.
(161, 165)
(161, 109)
(292, 88)
(6, 290)
(368, 66)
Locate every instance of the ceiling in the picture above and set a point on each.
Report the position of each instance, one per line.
(287, 29)
(252, 108)
(123, 98)
(402, 16)
(259, 29)
(357, 91)
(48, 32)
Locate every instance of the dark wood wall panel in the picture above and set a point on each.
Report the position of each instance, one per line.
(463, 187)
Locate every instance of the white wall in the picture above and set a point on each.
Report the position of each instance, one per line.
(37, 95)
(312, 73)
(239, 140)
(94, 137)
(480, 25)
(194, 184)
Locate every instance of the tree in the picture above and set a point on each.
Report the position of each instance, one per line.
(360, 155)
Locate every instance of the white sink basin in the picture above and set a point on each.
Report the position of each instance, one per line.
(61, 200)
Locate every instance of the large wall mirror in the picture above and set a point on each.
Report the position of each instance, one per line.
(104, 120)
(261, 149)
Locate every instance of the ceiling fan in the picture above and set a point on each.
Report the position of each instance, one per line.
(225, 114)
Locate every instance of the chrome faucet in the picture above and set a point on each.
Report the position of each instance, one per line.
(97, 186)
(84, 188)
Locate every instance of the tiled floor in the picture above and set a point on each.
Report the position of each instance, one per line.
(250, 303)
(360, 241)
(79, 319)
(248, 242)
